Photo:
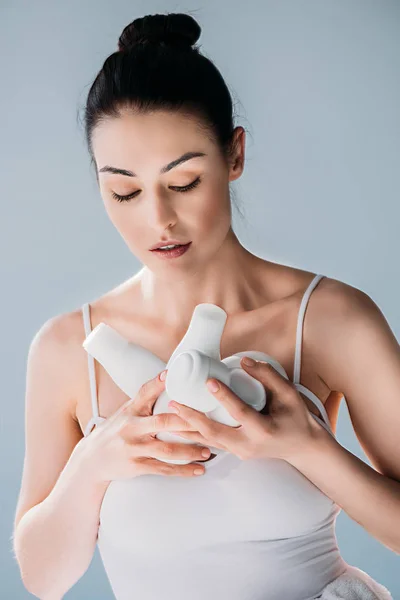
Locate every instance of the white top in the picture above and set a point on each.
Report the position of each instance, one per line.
(264, 531)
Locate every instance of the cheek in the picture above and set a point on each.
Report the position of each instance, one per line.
(215, 213)
(115, 213)
(127, 225)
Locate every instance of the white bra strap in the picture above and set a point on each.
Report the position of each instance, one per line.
(96, 419)
(299, 330)
(315, 400)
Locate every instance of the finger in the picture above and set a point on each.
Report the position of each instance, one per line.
(239, 410)
(213, 431)
(195, 436)
(144, 401)
(160, 449)
(146, 465)
(161, 422)
(270, 378)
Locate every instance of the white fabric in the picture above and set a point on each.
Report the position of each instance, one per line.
(355, 584)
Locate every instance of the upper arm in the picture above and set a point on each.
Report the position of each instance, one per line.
(356, 353)
(51, 432)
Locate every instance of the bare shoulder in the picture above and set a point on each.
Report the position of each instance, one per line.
(330, 296)
(334, 302)
(336, 311)
(57, 345)
(59, 330)
(57, 337)
(64, 333)
(341, 296)
(285, 283)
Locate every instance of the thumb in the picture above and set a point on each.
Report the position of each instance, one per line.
(266, 373)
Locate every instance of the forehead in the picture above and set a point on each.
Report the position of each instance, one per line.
(134, 141)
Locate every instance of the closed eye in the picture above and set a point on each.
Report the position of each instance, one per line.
(184, 188)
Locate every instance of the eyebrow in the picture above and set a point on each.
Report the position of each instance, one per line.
(165, 169)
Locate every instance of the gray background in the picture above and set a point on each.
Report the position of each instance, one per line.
(316, 85)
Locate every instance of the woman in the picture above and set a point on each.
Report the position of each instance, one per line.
(160, 132)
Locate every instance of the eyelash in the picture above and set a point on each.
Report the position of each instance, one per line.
(182, 189)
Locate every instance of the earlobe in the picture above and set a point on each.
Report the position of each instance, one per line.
(237, 169)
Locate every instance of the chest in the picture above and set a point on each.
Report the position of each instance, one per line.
(273, 334)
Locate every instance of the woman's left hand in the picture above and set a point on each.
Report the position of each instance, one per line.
(283, 429)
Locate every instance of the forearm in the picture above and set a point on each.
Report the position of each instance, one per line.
(55, 540)
(367, 496)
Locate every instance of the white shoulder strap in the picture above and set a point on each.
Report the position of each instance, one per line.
(96, 419)
(299, 330)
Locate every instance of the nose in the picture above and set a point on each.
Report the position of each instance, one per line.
(161, 214)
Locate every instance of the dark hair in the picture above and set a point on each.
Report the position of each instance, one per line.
(158, 67)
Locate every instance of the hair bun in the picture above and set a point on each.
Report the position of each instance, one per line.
(173, 28)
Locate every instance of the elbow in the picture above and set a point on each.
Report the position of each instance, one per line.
(41, 587)
(42, 576)
(31, 589)
(36, 588)
(47, 588)
(43, 593)
(30, 585)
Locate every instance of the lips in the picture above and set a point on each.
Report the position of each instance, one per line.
(172, 252)
(169, 243)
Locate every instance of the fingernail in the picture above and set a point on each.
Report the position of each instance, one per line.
(212, 385)
(163, 375)
(249, 361)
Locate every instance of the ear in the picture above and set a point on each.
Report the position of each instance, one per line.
(238, 153)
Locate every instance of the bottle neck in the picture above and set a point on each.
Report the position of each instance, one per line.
(204, 332)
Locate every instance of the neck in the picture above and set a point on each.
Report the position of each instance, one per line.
(230, 279)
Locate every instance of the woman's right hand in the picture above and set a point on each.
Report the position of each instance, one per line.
(125, 446)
